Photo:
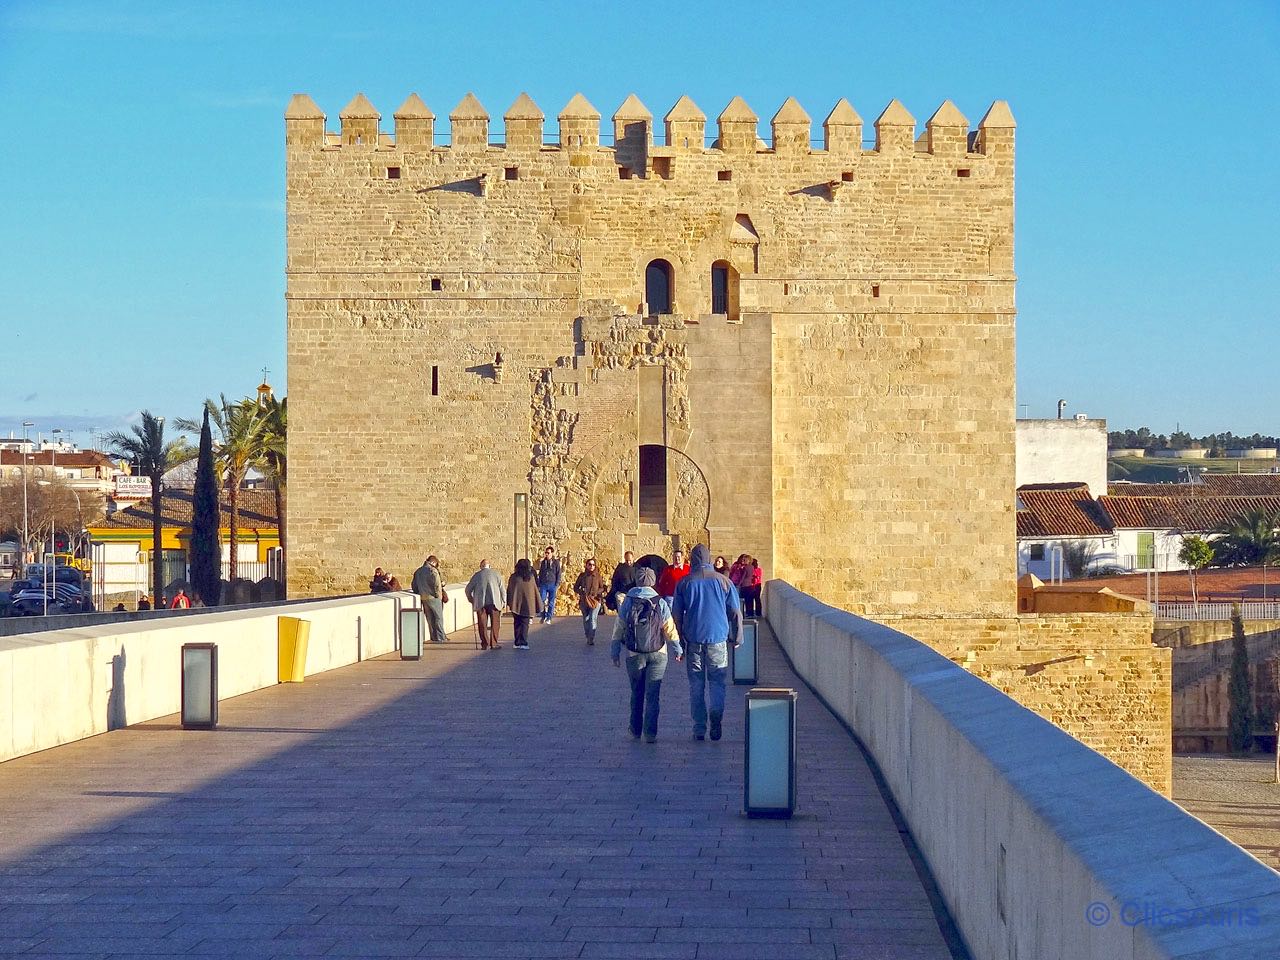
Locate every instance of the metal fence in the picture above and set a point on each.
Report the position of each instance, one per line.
(1249, 610)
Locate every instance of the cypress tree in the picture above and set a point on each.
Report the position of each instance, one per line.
(1239, 694)
(206, 544)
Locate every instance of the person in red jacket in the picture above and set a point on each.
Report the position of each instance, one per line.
(180, 601)
(676, 571)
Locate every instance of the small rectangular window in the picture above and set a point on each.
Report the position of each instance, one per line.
(847, 176)
(724, 175)
(962, 172)
(511, 173)
(436, 284)
(1037, 551)
(435, 381)
(875, 289)
(393, 173)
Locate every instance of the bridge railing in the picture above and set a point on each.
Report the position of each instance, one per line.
(1040, 846)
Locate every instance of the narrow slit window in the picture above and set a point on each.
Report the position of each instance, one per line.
(436, 284)
(435, 381)
(393, 173)
(875, 289)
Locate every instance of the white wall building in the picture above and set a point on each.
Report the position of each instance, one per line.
(1063, 451)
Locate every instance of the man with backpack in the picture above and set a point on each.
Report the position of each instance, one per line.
(645, 627)
(708, 615)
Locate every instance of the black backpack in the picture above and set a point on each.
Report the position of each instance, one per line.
(644, 625)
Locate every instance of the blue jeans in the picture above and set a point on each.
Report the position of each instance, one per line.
(589, 617)
(645, 671)
(707, 664)
(548, 594)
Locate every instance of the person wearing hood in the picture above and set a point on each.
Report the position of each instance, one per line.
(708, 618)
(645, 627)
(484, 593)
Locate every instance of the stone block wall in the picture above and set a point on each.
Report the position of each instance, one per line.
(848, 419)
(1096, 675)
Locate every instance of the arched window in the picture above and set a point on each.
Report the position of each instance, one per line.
(658, 283)
(724, 289)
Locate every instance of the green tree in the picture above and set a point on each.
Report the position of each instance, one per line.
(272, 455)
(1196, 553)
(206, 540)
(1248, 539)
(235, 449)
(145, 446)
(1239, 694)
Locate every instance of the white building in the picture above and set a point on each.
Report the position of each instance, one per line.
(1063, 451)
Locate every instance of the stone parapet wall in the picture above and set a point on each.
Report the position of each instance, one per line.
(1096, 675)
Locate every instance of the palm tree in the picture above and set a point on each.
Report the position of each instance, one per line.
(237, 425)
(273, 455)
(1247, 539)
(145, 446)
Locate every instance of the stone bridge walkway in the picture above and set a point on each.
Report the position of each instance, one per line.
(477, 805)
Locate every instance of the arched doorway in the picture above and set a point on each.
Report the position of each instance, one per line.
(659, 282)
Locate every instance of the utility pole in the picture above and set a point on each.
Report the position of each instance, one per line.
(26, 424)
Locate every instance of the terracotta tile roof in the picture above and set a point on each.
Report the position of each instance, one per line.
(45, 458)
(257, 510)
(1059, 510)
(1242, 484)
(1156, 489)
(1190, 514)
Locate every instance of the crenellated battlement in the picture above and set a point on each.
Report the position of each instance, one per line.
(946, 133)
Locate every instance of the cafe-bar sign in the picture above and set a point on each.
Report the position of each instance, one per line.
(133, 488)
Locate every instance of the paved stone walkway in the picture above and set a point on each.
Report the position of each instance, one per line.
(478, 805)
(1237, 796)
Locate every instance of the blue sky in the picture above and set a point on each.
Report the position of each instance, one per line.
(142, 173)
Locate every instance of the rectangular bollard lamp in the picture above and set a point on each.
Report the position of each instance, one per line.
(745, 656)
(410, 633)
(769, 761)
(199, 686)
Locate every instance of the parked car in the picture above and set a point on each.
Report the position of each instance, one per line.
(61, 598)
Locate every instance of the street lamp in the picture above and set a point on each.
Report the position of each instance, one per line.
(26, 424)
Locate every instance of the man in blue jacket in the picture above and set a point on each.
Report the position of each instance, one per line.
(708, 617)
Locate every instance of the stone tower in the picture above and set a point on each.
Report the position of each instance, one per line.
(803, 351)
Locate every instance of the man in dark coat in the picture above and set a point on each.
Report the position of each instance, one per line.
(624, 578)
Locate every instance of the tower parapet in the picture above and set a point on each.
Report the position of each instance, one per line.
(579, 124)
(360, 122)
(996, 129)
(791, 128)
(469, 124)
(947, 133)
(895, 129)
(303, 122)
(738, 127)
(415, 125)
(632, 133)
(842, 130)
(686, 125)
(523, 123)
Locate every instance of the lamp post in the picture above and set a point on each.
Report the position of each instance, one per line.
(26, 534)
(53, 451)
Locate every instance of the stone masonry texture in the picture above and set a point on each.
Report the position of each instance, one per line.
(848, 417)
(474, 365)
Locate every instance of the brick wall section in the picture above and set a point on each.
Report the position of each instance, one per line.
(854, 424)
(1119, 704)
